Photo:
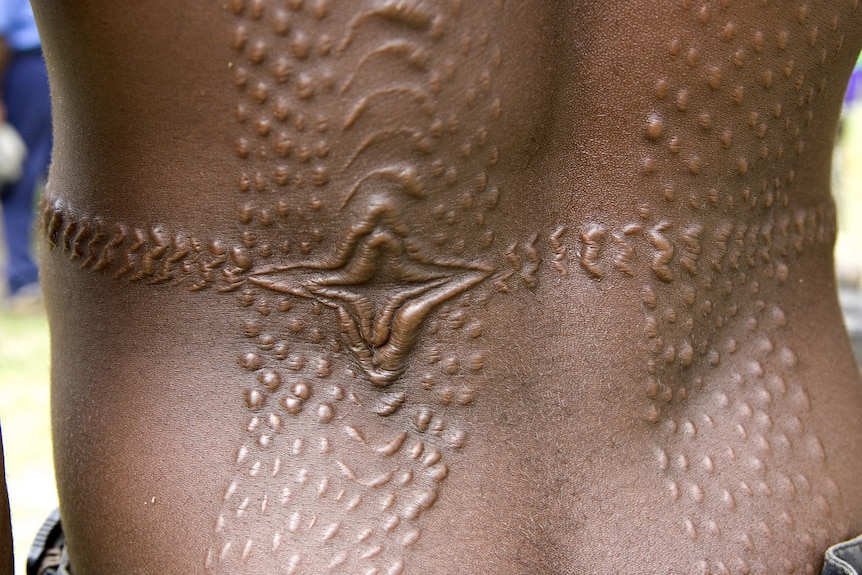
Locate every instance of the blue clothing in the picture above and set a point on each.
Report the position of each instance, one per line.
(18, 26)
(27, 100)
(854, 86)
(844, 558)
(28, 108)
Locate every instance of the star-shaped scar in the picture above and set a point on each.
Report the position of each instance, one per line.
(381, 287)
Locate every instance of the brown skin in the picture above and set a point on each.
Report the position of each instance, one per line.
(445, 287)
(6, 556)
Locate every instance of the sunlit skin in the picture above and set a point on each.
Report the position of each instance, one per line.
(448, 287)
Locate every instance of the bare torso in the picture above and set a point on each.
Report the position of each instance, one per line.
(449, 287)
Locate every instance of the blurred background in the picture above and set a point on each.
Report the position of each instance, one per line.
(24, 353)
(847, 189)
(24, 417)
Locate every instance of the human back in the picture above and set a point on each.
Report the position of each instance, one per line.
(448, 287)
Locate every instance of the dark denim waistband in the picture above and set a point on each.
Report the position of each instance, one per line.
(844, 558)
(37, 51)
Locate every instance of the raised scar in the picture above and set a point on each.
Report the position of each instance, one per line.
(381, 288)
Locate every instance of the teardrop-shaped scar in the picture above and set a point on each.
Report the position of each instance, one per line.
(381, 286)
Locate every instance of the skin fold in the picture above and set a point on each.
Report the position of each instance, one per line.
(444, 287)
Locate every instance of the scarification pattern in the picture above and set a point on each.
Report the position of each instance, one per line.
(310, 481)
(738, 98)
(313, 482)
(379, 324)
(387, 107)
(759, 416)
(150, 254)
(727, 137)
(408, 116)
(301, 379)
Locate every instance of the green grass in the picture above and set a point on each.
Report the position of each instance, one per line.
(25, 419)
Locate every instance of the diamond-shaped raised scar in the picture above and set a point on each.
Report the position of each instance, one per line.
(381, 288)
